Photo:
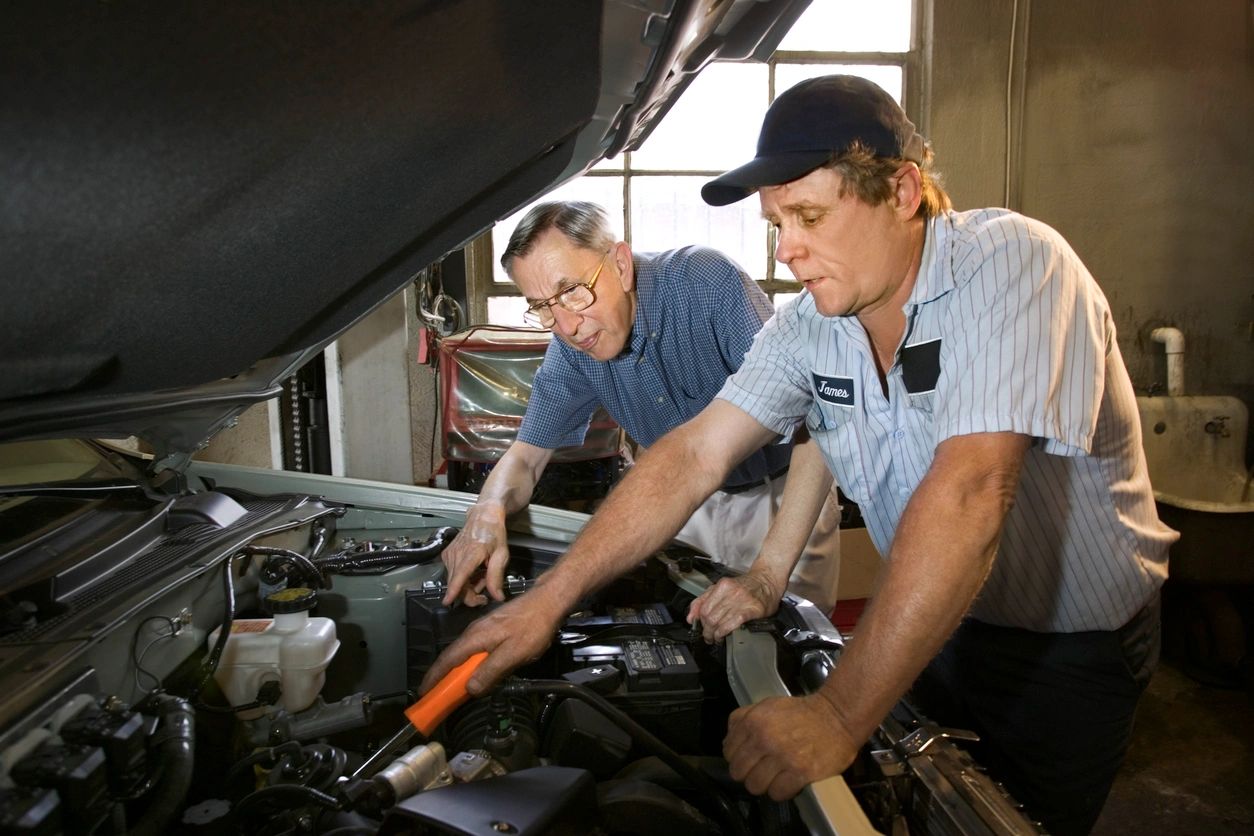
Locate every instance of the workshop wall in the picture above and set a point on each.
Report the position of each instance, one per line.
(1130, 133)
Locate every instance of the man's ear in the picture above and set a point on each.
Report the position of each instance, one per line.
(907, 190)
(624, 265)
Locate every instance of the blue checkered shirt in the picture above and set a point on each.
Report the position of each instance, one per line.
(696, 315)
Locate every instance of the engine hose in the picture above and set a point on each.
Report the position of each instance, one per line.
(723, 805)
(210, 665)
(304, 564)
(467, 728)
(415, 556)
(176, 741)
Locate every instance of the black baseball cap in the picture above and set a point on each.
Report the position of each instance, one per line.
(811, 121)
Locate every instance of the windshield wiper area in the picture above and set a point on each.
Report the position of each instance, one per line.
(77, 489)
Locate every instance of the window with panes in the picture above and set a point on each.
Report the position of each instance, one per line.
(654, 192)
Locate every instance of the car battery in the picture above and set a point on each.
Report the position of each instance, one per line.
(655, 614)
(430, 626)
(661, 681)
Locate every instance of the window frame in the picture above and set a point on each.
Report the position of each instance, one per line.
(915, 98)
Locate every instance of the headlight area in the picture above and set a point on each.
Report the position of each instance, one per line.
(265, 694)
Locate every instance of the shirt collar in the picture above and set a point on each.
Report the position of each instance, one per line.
(933, 280)
(641, 328)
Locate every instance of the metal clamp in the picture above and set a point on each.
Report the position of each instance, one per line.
(924, 736)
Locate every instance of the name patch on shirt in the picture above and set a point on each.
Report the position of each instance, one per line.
(837, 390)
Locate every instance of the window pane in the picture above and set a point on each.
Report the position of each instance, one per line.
(886, 76)
(668, 212)
(849, 26)
(780, 298)
(507, 310)
(607, 191)
(714, 125)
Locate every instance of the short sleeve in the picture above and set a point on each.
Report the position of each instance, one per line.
(561, 404)
(1027, 332)
(772, 384)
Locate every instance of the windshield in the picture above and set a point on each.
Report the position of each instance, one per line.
(53, 460)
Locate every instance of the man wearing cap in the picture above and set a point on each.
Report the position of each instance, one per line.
(959, 370)
(651, 337)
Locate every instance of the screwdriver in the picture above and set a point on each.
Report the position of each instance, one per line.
(429, 712)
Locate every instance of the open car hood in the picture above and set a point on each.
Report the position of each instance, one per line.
(199, 196)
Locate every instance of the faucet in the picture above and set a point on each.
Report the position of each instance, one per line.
(1217, 426)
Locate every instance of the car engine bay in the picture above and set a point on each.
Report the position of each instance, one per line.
(219, 659)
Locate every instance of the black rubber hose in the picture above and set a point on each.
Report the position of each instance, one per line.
(176, 742)
(723, 805)
(210, 665)
(414, 556)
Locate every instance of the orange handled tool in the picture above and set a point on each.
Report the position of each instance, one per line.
(447, 694)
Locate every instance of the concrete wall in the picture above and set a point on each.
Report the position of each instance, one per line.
(1131, 134)
(247, 443)
(375, 405)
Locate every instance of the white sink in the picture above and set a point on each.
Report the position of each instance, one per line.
(1195, 451)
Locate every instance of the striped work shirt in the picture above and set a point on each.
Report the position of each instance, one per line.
(1007, 332)
(696, 315)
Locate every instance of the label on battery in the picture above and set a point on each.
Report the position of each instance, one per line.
(640, 657)
(628, 615)
(655, 615)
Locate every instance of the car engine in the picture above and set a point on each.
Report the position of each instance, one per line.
(219, 660)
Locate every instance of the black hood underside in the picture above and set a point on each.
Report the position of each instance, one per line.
(196, 197)
(193, 186)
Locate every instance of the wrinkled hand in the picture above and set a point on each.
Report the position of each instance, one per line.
(513, 635)
(782, 744)
(733, 601)
(476, 558)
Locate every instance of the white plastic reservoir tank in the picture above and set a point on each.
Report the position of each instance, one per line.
(292, 648)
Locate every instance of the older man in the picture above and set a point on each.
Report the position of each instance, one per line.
(960, 372)
(652, 337)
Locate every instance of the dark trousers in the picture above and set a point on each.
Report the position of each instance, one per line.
(1054, 711)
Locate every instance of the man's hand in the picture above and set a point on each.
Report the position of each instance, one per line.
(782, 744)
(477, 557)
(733, 601)
(513, 635)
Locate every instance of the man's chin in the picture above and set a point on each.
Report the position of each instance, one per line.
(833, 308)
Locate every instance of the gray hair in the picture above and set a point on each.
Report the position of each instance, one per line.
(585, 224)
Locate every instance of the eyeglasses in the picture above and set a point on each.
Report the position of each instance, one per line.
(575, 298)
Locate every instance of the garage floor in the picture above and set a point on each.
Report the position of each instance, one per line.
(1190, 770)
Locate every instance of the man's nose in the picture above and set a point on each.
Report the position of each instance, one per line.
(565, 322)
(786, 247)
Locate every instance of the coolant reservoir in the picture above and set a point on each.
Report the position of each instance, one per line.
(291, 648)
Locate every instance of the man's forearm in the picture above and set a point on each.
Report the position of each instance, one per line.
(641, 514)
(808, 486)
(941, 554)
(658, 495)
(509, 486)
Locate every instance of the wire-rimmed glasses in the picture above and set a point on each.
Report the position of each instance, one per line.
(575, 298)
